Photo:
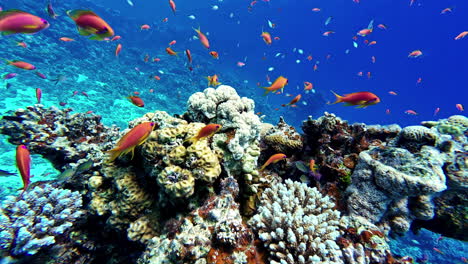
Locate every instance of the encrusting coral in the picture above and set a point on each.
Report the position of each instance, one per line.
(39, 219)
(298, 225)
(283, 138)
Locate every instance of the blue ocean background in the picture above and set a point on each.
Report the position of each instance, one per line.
(234, 32)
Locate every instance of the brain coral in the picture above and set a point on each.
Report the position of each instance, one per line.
(298, 225)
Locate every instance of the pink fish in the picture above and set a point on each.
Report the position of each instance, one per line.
(436, 111)
(23, 162)
(38, 95)
(9, 76)
(411, 112)
(16, 21)
(240, 64)
(41, 75)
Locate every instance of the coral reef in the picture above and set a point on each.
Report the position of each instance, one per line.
(282, 138)
(212, 227)
(41, 218)
(58, 135)
(298, 225)
(392, 186)
(225, 107)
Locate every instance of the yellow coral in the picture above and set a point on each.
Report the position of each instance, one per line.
(141, 230)
(206, 163)
(176, 181)
(177, 155)
(282, 144)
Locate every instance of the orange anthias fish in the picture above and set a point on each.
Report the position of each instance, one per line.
(136, 100)
(415, 54)
(135, 137)
(171, 52)
(266, 37)
(23, 162)
(460, 107)
(293, 101)
(206, 131)
(364, 32)
(214, 54)
(362, 99)
(461, 35)
(173, 7)
(312, 166)
(308, 86)
(88, 23)
(65, 39)
(145, 27)
(22, 44)
(38, 95)
(213, 80)
(203, 39)
(189, 55)
(279, 83)
(21, 65)
(15, 21)
(273, 159)
(118, 49)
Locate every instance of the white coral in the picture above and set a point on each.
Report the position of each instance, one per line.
(298, 225)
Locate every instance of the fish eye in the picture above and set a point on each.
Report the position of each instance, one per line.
(152, 124)
(45, 22)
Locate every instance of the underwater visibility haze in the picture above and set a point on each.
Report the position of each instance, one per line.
(233, 131)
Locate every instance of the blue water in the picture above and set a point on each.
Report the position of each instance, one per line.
(234, 32)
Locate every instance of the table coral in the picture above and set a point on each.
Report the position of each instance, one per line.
(298, 225)
(39, 219)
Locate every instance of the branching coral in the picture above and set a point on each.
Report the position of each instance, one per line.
(39, 219)
(298, 225)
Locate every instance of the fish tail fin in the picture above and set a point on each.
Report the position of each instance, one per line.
(338, 98)
(262, 168)
(114, 154)
(191, 140)
(197, 30)
(266, 91)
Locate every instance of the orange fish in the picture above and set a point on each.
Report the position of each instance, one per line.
(411, 112)
(214, 54)
(382, 26)
(173, 7)
(146, 58)
(362, 99)
(172, 43)
(171, 52)
(21, 65)
(438, 251)
(22, 44)
(203, 39)
(445, 10)
(118, 49)
(461, 35)
(460, 107)
(213, 80)
(189, 55)
(65, 39)
(266, 37)
(88, 23)
(419, 80)
(372, 43)
(135, 137)
(392, 93)
(327, 33)
(279, 83)
(293, 101)
(16, 21)
(387, 111)
(308, 86)
(136, 100)
(309, 58)
(157, 59)
(273, 159)
(415, 54)
(312, 166)
(368, 75)
(276, 38)
(206, 131)
(316, 9)
(436, 111)
(145, 27)
(23, 162)
(166, 19)
(116, 38)
(157, 77)
(315, 67)
(38, 95)
(364, 32)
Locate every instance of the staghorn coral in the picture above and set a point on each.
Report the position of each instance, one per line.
(58, 135)
(215, 225)
(38, 220)
(225, 107)
(297, 225)
(283, 138)
(392, 186)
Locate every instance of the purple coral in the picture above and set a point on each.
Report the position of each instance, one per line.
(38, 219)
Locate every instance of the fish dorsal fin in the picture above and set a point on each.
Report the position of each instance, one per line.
(74, 14)
(11, 12)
